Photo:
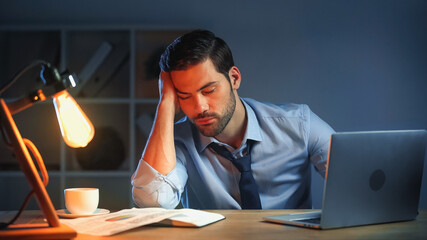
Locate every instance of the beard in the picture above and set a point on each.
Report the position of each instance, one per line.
(223, 119)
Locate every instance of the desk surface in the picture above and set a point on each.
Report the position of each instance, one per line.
(248, 224)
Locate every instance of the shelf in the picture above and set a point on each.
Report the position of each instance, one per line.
(118, 100)
(101, 60)
(149, 45)
(118, 72)
(14, 189)
(43, 131)
(7, 174)
(97, 174)
(20, 48)
(21, 174)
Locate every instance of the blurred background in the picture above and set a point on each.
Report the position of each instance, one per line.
(359, 65)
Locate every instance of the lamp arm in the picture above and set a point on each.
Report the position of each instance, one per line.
(54, 83)
(27, 164)
(20, 73)
(26, 102)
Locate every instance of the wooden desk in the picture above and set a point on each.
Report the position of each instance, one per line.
(248, 224)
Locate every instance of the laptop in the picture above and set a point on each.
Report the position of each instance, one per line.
(372, 177)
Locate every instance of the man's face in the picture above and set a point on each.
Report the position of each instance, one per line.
(205, 96)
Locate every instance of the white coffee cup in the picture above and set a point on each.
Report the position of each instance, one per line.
(81, 200)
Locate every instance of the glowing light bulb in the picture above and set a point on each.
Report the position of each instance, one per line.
(76, 128)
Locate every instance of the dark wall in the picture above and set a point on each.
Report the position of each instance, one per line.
(360, 65)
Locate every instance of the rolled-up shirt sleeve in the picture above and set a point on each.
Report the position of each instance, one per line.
(153, 189)
(318, 142)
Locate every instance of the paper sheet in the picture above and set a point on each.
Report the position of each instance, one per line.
(112, 223)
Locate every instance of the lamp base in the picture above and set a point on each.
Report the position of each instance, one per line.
(35, 231)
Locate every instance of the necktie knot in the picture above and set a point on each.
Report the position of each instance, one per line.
(243, 163)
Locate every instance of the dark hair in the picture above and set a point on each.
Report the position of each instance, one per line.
(194, 48)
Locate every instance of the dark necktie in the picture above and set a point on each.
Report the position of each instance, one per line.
(249, 195)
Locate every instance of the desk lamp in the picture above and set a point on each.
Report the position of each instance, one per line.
(77, 131)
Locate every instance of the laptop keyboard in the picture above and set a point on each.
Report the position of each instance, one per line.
(310, 220)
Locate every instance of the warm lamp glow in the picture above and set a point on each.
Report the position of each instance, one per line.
(76, 128)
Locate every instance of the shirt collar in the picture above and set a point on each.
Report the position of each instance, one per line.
(253, 130)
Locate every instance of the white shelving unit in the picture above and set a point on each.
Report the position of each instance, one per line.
(120, 97)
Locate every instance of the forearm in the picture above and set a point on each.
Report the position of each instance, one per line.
(159, 152)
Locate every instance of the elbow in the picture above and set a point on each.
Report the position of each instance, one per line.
(155, 199)
(143, 199)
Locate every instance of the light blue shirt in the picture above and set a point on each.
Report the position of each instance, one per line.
(288, 137)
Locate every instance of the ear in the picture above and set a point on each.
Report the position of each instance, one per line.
(235, 77)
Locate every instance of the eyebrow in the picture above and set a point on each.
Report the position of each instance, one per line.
(200, 89)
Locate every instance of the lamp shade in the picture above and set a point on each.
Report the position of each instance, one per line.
(76, 128)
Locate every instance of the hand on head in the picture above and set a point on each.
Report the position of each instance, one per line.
(167, 90)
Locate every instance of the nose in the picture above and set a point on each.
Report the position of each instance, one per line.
(200, 104)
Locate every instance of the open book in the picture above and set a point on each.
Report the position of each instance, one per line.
(191, 218)
(113, 223)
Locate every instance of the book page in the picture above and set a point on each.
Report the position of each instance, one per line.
(192, 218)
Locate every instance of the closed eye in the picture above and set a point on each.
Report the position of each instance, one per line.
(209, 91)
(183, 97)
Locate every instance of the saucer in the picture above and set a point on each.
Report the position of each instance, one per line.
(66, 214)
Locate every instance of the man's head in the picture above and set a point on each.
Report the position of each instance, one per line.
(202, 70)
(194, 48)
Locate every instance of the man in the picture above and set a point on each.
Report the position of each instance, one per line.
(184, 161)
